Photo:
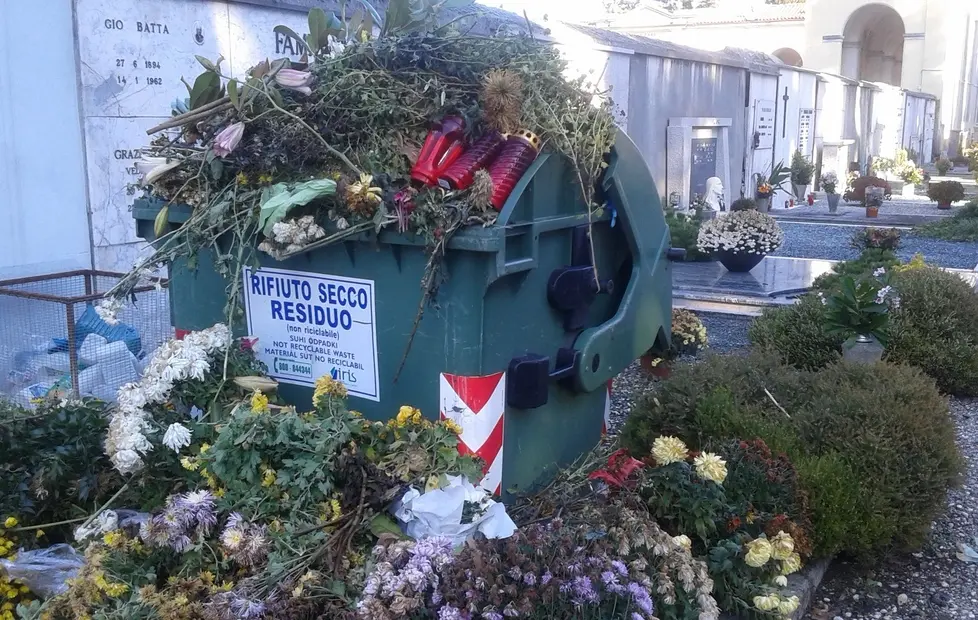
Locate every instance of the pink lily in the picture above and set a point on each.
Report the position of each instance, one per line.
(292, 79)
(228, 139)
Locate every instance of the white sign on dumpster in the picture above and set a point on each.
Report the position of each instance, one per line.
(310, 324)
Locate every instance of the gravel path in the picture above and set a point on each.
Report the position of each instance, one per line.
(832, 242)
(929, 585)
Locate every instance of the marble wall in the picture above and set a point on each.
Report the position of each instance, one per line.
(133, 55)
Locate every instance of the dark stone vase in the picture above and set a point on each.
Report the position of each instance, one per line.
(739, 262)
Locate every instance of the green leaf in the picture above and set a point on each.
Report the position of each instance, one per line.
(162, 218)
(317, 28)
(276, 96)
(398, 15)
(217, 168)
(281, 199)
(206, 89)
(233, 94)
(207, 64)
(382, 524)
(288, 32)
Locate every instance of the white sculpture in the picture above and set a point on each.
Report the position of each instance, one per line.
(713, 194)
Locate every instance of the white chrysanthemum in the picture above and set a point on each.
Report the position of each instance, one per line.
(177, 436)
(173, 361)
(108, 309)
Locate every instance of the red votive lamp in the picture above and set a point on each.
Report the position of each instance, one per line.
(460, 175)
(442, 147)
(518, 153)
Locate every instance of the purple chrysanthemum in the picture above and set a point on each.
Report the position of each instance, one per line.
(530, 579)
(620, 567)
(545, 578)
(641, 597)
(451, 613)
(584, 591)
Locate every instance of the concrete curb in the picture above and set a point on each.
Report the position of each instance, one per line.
(802, 584)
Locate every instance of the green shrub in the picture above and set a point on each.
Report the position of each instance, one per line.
(875, 238)
(936, 328)
(683, 231)
(874, 446)
(869, 261)
(962, 226)
(798, 333)
(743, 204)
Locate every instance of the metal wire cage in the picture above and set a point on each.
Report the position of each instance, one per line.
(53, 341)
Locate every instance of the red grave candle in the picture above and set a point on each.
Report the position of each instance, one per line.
(442, 147)
(518, 153)
(461, 174)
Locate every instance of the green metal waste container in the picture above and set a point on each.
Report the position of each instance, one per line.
(522, 343)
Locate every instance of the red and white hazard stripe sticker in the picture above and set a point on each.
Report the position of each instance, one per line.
(478, 406)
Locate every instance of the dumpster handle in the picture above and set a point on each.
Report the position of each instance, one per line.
(646, 305)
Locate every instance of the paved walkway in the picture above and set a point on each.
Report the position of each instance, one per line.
(898, 211)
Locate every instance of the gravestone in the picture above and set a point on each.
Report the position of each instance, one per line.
(697, 148)
(703, 164)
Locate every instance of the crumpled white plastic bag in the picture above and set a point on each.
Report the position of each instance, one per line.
(439, 512)
(45, 571)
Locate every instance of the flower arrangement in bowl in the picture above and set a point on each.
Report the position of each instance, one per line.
(945, 192)
(688, 337)
(741, 240)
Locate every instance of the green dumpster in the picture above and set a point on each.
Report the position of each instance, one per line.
(522, 342)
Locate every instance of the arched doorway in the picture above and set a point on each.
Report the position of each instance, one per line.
(872, 48)
(788, 56)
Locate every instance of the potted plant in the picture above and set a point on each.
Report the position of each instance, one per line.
(873, 200)
(945, 192)
(860, 311)
(740, 240)
(912, 176)
(743, 204)
(688, 337)
(767, 186)
(830, 181)
(802, 170)
(943, 165)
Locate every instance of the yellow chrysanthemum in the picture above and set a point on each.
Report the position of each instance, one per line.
(683, 541)
(767, 603)
(710, 467)
(792, 564)
(452, 425)
(204, 447)
(408, 415)
(39, 534)
(264, 178)
(114, 539)
(782, 546)
(667, 450)
(259, 402)
(758, 552)
(10, 522)
(241, 178)
(787, 606)
(781, 581)
(328, 386)
(190, 463)
(207, 577)
(268, 477)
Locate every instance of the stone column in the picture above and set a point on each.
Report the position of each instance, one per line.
(850, 59)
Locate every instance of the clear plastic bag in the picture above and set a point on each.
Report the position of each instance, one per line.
(44, 571)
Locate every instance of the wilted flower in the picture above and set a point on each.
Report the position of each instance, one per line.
(758, 552)
(710, 467)
(228, 139)
(668, 450)
(292, 79)
(791, 565)
(787, 606)
(782, 546)
(108, 309)
(177, 436)
(683, 541)
(767, 603)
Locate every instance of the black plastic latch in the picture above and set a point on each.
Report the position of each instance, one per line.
(572, 290)
(528, 379)
(676, 254)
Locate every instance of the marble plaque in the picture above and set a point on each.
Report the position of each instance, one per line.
(703, 164)
(764, 115)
